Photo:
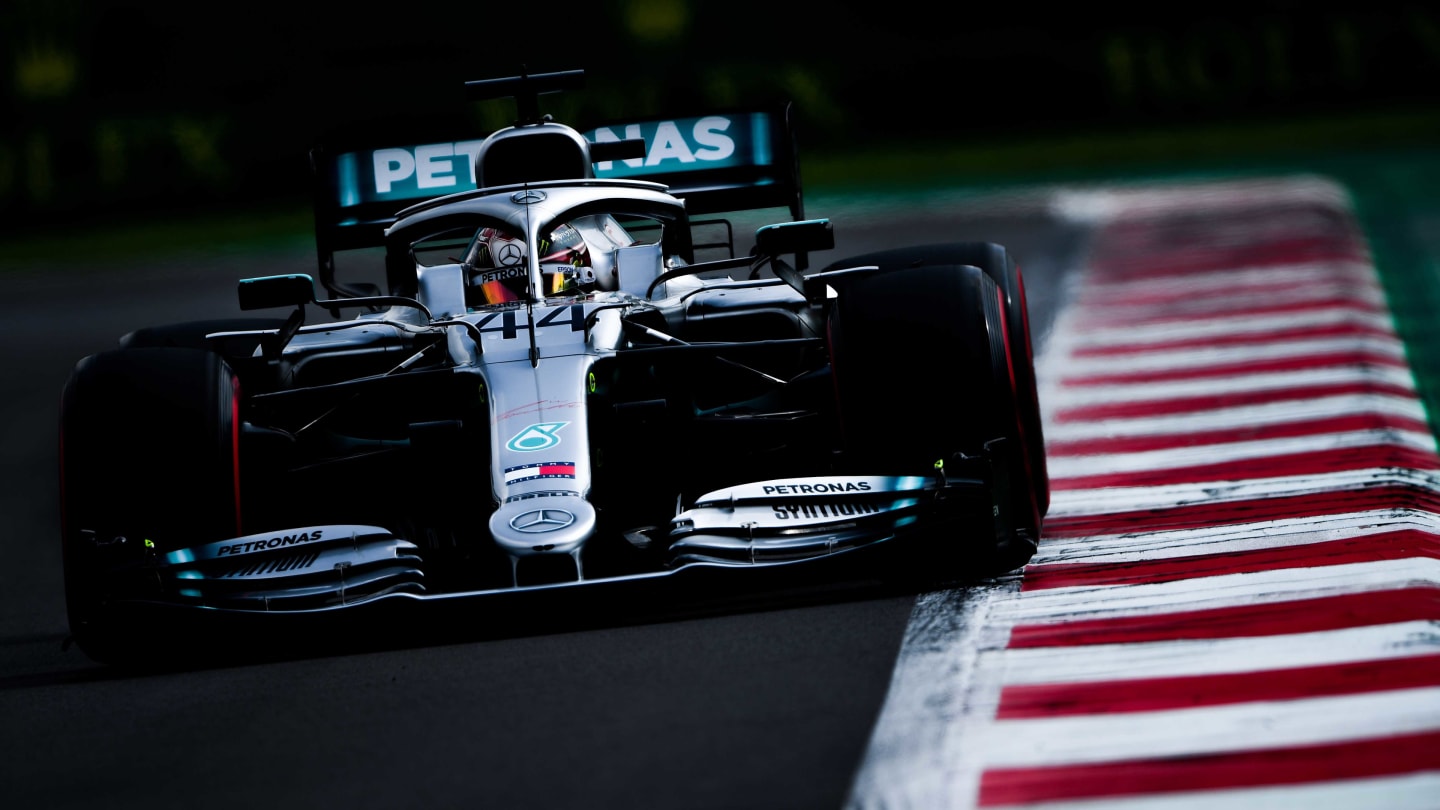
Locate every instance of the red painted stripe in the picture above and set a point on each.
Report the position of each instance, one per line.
(1118, 261)
(1316, 463)
(1240, 338)
(1349, 295)
(1201, 220)
(1023, 701)
(1397, 545)
(1126, 409)
(1241, 621)
(1358, 356)
(1125, 259)
(1151, 266)
(1223, 513)
(1111, 317)
(1278, 766)
(1309, 427)
(1349, 289)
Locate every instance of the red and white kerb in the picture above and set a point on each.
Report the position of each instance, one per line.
(1236, 597)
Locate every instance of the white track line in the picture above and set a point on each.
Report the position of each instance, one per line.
(1205, 593)
(1063, 467)
(1211, 729)
(1278, 381)
(1232, 538)
(1140, 336)
(1300, 275)
(1200, 359)
(1112, 500)
(1269, 413)
(1094, 663)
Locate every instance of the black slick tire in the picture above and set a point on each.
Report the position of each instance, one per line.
(922, 365)
(149, 449)
(997, 263)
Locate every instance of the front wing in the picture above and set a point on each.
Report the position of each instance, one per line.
(732, 547)
(773, 522)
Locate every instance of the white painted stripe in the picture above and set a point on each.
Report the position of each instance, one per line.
(920, 753)
(1233, 538)
(1101, 205)
(1206, 593)
(1112, 500)
(1159, 297)
(1300, 274)
(1196, 359)
(1062, 466)
(1269, 413)
(1415, 791)
(1093, 663)
(1107, 313)
(1141, 335)
(1211, 730)
(1060, 397)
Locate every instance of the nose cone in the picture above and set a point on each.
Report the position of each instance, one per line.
(557, 524)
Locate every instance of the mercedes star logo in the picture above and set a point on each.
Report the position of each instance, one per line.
(527, 197)
(541, 520)
(510, 253)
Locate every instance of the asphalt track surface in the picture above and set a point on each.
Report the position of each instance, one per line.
(757, 709)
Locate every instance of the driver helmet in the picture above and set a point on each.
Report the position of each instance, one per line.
(503, 272)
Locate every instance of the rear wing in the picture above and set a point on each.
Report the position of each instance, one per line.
(729, 161)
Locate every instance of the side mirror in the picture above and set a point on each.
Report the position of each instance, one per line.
(638, 266)
(794, 237)
(267, 292)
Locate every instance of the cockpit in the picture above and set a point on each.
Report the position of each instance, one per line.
(576, 257)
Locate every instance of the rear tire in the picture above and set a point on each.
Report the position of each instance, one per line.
(149, 463)
(922, 366)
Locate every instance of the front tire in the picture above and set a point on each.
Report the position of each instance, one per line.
(922, 365)
(997, 263)
(149, 463)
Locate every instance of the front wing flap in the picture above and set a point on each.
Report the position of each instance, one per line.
(799, 518)
(305, 568)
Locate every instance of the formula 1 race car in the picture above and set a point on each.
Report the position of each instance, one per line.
(572, 382)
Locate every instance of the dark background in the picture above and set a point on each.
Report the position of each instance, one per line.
(118, 108)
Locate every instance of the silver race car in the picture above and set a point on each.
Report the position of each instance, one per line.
(570, 392)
